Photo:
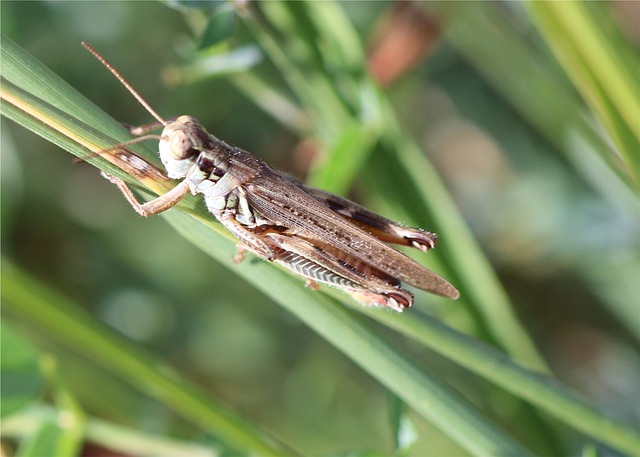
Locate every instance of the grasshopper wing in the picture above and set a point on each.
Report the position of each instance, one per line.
(282, 201)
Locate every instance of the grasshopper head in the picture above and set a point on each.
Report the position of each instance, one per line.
(182, 142)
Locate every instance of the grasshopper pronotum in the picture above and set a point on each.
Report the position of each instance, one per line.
(320, 236)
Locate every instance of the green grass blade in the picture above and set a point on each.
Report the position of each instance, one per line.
(593, 60)
(22, 379)
(463, 256)
(537, 388)
(48, 439)
(126, 440)
(547, 101)
(331, 87)
(55, 316)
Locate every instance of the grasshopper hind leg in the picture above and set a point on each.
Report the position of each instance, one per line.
(397, 301)
(317, 266)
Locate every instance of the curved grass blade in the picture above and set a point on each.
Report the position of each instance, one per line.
(61, 319)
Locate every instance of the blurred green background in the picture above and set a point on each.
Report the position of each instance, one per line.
(521, 159)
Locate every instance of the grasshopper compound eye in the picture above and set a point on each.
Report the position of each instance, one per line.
(180, 146)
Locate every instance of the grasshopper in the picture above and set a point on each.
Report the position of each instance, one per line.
(323, 237)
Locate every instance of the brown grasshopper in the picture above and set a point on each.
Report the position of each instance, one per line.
(320, 236)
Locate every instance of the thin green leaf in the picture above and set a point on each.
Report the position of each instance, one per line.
(215, 64)
(404, 433)
(219, 27)
(21, 378)
(576, 34)
(546, 100)
(129, 441)
(47, 440)
(71, 416)
(343, 161)
(63, 320)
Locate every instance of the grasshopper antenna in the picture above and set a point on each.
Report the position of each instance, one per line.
(128, 86)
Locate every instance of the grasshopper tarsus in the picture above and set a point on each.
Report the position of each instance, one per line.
(239, 255)
(311, 284)
(155, 206)
(423, 241)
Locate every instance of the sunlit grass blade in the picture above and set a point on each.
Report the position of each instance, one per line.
(304, 66)
(594, 61)
(129, 441)
(53, 315)
(547, 101)
(72, 428)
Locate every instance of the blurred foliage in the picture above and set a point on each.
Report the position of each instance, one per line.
(540, 163)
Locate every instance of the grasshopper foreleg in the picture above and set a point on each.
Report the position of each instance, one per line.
(155, 206)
